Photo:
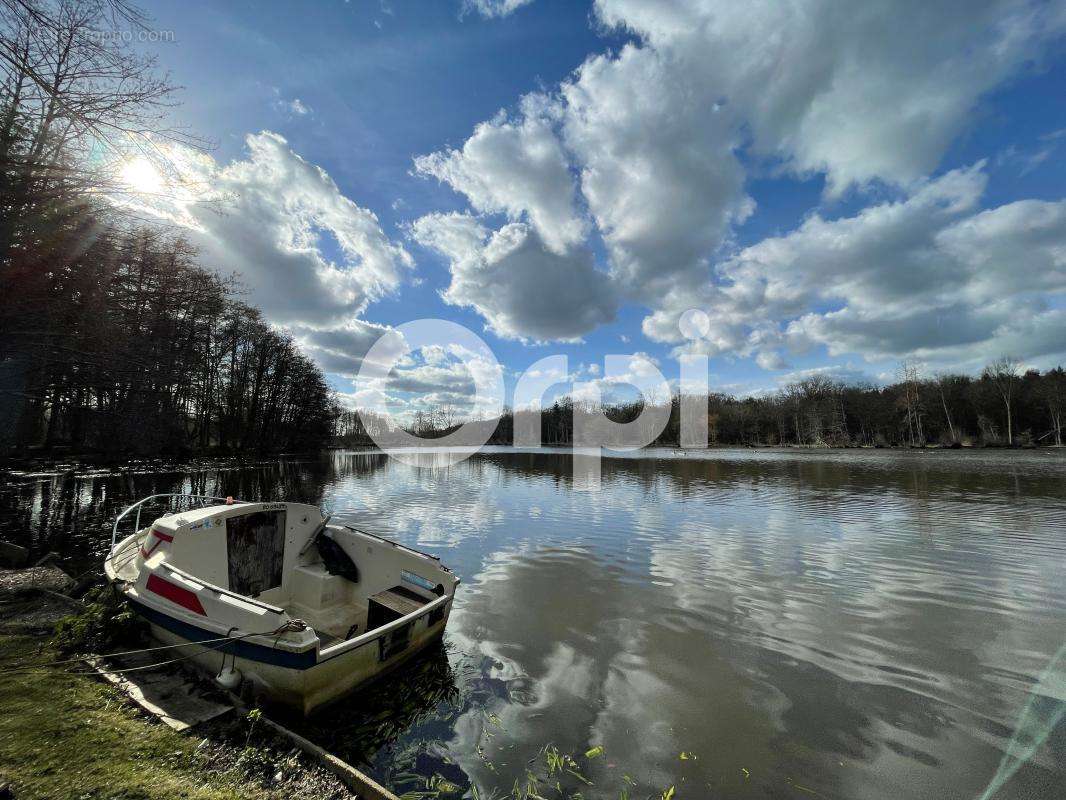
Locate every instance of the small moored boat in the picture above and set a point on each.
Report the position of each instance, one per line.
(299, 611)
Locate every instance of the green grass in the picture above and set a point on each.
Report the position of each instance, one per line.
(70, 736)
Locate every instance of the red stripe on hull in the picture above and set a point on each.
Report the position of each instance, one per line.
(176, 594)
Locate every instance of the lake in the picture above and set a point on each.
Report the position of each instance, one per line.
(737, 624)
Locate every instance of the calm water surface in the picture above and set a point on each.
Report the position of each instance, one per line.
(859, 624)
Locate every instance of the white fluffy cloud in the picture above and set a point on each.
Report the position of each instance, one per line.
(307, 254)
(309, 257)
(515, 167)
(515, 281)
(657, 156)
(929, 276)
(660, 136)
(878, 91)
(628, 378)
(771, 360)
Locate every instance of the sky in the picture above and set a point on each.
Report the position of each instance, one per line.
(784, 188)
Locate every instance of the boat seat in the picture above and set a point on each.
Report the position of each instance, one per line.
(314, 587)
(391, 604)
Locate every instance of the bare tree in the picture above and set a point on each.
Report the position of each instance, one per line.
(77, 76)
(1003, 375)
(944, 380)
(910, 378)
(77, 100)
(1052, 390)
(792, 397)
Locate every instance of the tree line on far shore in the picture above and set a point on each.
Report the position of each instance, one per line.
(1002, 407)
(113, 338)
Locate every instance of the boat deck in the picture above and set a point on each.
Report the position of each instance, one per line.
(338, 624)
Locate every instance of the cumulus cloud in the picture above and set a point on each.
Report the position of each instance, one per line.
(519, 285)
(426, 379)
(659, 171)
(814, 85)
(929, 276)
(771, 360)
(627, 378)
(307, 254)
(661, 133)
(309, 257)
(517, 168)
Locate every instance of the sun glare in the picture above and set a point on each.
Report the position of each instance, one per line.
(139, 175)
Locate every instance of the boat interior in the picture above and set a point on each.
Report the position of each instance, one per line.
(340, 605)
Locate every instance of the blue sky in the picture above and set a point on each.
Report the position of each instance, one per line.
(827, 193)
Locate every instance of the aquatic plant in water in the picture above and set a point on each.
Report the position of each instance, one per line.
(550, 775)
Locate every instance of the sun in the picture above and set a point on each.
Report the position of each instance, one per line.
(139, 175)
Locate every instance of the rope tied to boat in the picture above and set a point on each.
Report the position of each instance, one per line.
(290, 626)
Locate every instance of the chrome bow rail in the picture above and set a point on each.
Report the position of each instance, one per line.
(201, 499)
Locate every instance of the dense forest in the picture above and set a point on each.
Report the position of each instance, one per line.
(1001, 407)
(113, 338)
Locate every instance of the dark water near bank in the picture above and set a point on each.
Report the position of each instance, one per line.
(858, 624)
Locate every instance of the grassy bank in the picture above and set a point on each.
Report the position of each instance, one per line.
(69, 736)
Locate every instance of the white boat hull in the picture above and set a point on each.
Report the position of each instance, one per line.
(304, 691)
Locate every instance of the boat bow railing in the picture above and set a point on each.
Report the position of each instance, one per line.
(201, 499)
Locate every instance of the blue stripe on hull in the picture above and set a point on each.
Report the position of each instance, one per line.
(247, 650)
